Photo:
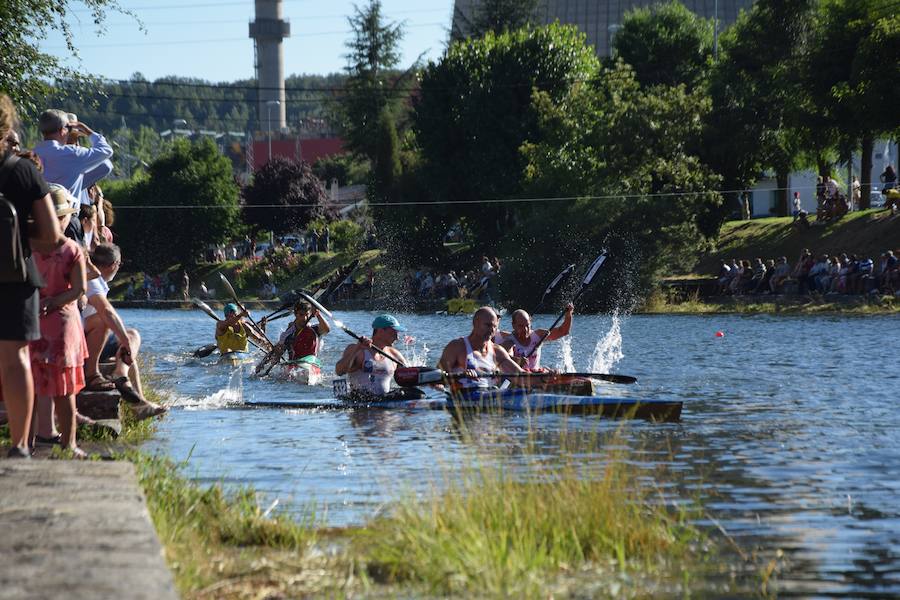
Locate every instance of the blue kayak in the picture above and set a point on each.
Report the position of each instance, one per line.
(499, 401)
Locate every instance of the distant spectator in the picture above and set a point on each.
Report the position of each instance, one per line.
(801, 272)
(724, 277)
(889, 178)
(28, 192)
(820, 198)
(185, 285)
(758, 281)
(797, 205)
(779, 274)
(855, 193)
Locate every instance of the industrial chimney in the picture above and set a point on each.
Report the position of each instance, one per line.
(268, 31)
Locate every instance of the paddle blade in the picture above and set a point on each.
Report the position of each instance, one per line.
(204, 351)
(316, 303)
(595, 266)
(411, 376)
(228, 286)
(205, 308)
(626, 379)
(556, 281)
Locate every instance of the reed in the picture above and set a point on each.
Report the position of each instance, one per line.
(489, 532)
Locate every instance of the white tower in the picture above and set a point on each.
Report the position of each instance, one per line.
(268, 31)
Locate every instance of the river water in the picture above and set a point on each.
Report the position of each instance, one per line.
(790, 433)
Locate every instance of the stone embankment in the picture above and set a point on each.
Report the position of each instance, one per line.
(77, 530)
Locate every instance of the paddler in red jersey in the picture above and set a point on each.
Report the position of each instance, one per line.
(477, 354)
(523, 338)
(300, 338)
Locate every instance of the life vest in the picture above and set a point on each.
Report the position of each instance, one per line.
(375, 375)
(521, 351)
(303, 343)
(233, 339)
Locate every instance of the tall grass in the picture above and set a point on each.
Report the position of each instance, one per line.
(210, 535)
(487, 531)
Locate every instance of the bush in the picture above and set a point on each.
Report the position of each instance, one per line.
(283, 264)
(347, 236)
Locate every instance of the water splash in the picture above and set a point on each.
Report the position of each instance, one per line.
(564, 361)
(608, 350)
(414, 354)
(232, 394)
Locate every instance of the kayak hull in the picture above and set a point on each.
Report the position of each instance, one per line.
(304, 372)
(507, 401)
(233, 358)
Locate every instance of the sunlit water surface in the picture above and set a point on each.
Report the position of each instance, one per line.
(790, 432)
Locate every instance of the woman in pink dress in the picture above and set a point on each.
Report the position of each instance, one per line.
(57, 359)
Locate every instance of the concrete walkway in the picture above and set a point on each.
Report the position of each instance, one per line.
(77, 530)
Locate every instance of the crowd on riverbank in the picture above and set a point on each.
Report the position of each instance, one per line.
(54, 280)
(825, 274)
(431, 284)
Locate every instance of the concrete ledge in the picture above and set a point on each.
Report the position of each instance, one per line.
(77, 530)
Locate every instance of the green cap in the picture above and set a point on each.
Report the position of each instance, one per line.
(387, 321)
(230, 308)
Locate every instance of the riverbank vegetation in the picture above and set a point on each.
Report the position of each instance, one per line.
(659, 304)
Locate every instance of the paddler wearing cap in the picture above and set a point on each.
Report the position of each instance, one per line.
(231, 332)
(368, 371)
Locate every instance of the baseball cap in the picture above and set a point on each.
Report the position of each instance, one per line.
(52, 120)
(387, 321)
(230, 308)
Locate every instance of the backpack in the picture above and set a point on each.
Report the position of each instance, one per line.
(13, 267)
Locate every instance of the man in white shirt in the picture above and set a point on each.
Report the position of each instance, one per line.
(99, 319)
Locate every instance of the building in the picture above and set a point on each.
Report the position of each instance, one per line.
(598, 19)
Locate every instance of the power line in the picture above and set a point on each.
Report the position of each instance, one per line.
(234, 21)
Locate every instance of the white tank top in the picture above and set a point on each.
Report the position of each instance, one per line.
(483, 364)
(519, 350)
(375, 375)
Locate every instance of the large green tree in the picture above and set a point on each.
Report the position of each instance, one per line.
(625, 152)
(474, 111)
(851, 70)
(187, 201)
(372, 86)
(757, 96)
(494, 16)
(666, 44)
(284, 196)
(25, 71)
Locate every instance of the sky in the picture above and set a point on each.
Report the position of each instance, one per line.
(209, 40)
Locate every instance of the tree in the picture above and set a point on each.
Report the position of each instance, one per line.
(369, 91)
(666, 44)
(495, 16)
(474, 111)
(187, 201)
(298, 194)
(386, 167)
(757, 97)
(853, 93)
(25, 71)
(626, 153)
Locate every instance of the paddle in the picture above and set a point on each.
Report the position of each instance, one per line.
(554, 284)
(410, 376)
(205, 351)
(256, 329)
(588, 278)
(209, 311)
(345, 329)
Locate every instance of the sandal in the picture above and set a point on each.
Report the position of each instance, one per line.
(141, 408)
(98, 383)
(55, 440)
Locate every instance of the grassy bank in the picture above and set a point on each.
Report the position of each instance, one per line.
(659, 304)
(864, 233)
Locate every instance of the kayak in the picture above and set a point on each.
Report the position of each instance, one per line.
(305, 371)
(500, 401)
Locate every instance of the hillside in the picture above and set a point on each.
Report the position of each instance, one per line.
(867, 233)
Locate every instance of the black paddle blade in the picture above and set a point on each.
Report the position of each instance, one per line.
(563, 275)
(205, 351)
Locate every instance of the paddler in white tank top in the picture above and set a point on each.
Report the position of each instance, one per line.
(523, 338)
(366, 370)
(477, 352)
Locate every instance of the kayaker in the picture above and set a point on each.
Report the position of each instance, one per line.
(366, 370)
(231, 332)
(523, 338)
(300, 338)
(477, 353)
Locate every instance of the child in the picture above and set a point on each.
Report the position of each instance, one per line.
(57, 358)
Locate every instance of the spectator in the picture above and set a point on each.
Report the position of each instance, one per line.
(57, 358)
(724, 277)
(326, 240)
(889, 178)
(855, 193)
(27, 191)
(779, 274)
(185, 285)
(820, 198)
(68, 164)
(100, 318)
(88, 217)
(758, 281)
(818, 273)
(801, 272)
(797, 205)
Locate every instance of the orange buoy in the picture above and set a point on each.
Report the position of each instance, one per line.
(720, 334)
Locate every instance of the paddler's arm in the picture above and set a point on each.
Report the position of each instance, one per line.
(323, 324)
(347, 363)
(227, 322)
(507, 365)
(565, 327)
